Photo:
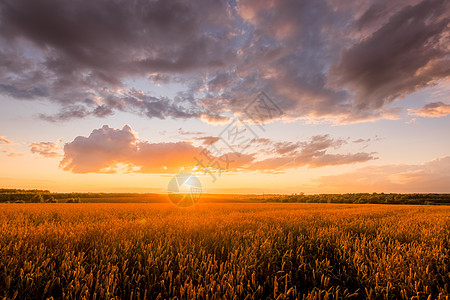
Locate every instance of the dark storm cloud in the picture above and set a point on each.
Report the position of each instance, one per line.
(70, 51)
(117, 36)
(317, 59)
(220, 81)
(409, 52)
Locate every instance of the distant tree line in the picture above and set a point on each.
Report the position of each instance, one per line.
(359, 198)
(45, 196)
(21, 196)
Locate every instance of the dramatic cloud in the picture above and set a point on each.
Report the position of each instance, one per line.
(107, 147)
(407, 53)
(107, 150)
(313, 153)
(315, 58)
(79, 53)
(429, 177)
(46, 149)
(432, 110)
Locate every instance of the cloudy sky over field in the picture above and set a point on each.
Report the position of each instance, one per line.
(251, 96)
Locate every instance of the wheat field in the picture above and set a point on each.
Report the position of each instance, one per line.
(224, 251)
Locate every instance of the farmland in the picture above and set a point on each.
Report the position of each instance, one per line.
(212, 251)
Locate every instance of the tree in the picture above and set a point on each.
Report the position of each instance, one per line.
(37, 199)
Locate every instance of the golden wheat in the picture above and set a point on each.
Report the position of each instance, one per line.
(224, 251)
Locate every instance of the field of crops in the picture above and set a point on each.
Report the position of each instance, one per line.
(224, 251)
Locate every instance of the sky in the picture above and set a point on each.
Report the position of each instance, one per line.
(251, 96)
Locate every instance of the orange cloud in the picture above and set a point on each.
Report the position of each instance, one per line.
(108, 147)
(431, 110)
(46, 149)
(107, 150)
(5, 141)
(208, 140)
(214, 119)
(10, 153)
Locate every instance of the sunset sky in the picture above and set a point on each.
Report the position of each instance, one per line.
(252, 96)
